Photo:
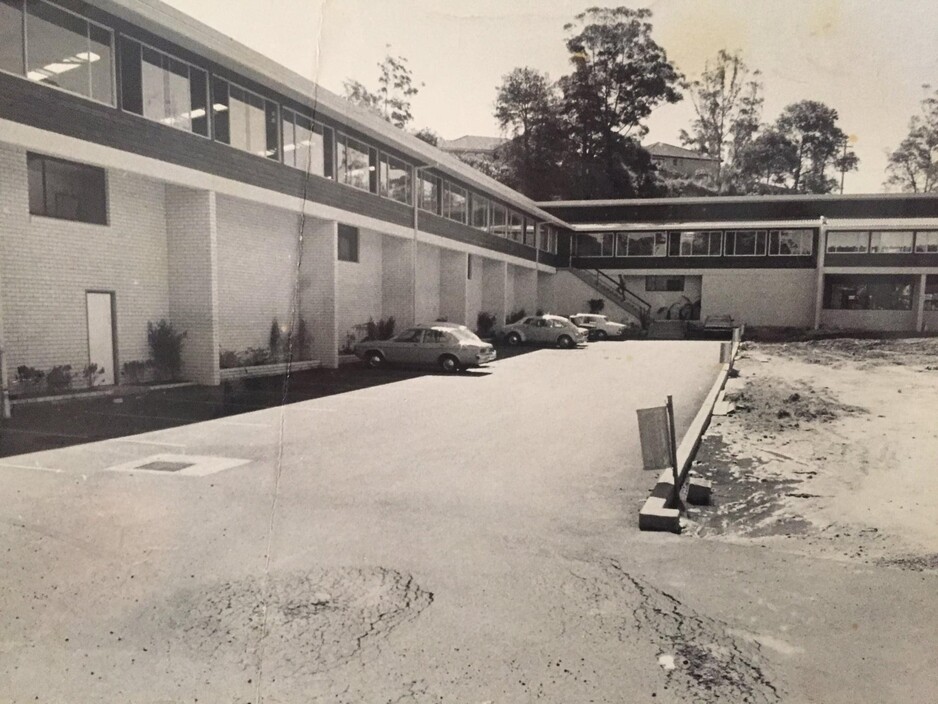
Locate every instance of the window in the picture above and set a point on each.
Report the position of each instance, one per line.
(891, 241)
(163, 88)
(480, 212)
(926, 241)
(66, 190)
(411, 335)
(469, 267)
(848, 242)
(11, 37)
(931, 293)
(353, 163)
(700, 244)
(304, 144)
(515, 226)
(664, 283)
(245, 120)
(394, 178)
(595, 245)
(641, 244)
(455, 202)
(868, 292)
(430, 194)
(499, 223)
(62, 49)
(348, 243)
(530, 228)
(791, 243)
(745, 243)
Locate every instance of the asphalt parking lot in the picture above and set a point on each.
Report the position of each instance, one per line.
(465, 538)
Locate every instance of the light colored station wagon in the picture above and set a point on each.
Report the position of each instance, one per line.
(445, 345)
(599, 325)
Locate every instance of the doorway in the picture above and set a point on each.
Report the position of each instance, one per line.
(102, 349)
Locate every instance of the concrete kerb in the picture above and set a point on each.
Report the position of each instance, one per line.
(659, 512)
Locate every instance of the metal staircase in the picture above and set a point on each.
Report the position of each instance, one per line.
(616, 291)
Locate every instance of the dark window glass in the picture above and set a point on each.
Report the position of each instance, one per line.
(66, 190)
(641, 244)
(529, 232)
(11, 36)
(272, 117)
(664, 283)
(429, 194)
(515, 227)
(926, 242)
(67, 51)
(303, 143)
(868, 292)
(745, 243)
(348, 243)
(455, 202)
(198, 97)
(595, 245)
(846, 242)
(353, 163)
(394, 177)
(221, 120)
(480, 212)
(131, 76)
(499, 223)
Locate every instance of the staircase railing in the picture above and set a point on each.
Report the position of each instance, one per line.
(616, 291)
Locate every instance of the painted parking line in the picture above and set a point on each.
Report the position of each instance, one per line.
(47, 433)
(244, 424)
(8, 465)
(147, 442)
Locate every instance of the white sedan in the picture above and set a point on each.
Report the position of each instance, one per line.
(600, 326)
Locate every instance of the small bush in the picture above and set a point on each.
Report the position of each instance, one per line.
(381, 330)
(228, 359)
(135, 371)
(302, 341)
(596, 305)
(485, 324)
(29, 375)
(165, 348)
(349, 346)
(515, 317)
(59, 377)
(275, 341)
(91, 374)
(255, 356)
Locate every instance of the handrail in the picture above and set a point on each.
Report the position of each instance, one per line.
(620, 288)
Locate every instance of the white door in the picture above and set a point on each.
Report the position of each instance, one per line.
(101, 336)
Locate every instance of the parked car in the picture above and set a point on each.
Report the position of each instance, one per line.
(448, 346)
(599, 326)
(544, 329)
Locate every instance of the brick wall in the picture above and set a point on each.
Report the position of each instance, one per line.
(257, 250)
(428, 283)
(453, 299)
(47, 265)
(358, 285)
(474, 292)
(495, 298)
(397, 280)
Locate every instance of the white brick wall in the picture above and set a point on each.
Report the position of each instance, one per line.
(257, 250)
(428, 283)
(495, 298)
(453, 286)
(397, 281)
(318, 289)
(359, 285)
(47, 265)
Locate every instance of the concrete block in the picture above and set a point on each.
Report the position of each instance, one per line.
(698, 491)
(654, 516)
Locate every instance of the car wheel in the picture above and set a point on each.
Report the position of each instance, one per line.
(513, 339)
(449, 364)
(601, 335)
(566, 342)
(374, 359)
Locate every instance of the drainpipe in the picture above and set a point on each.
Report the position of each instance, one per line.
(821, 256)
(4, 386)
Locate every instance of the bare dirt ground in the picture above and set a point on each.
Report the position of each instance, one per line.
(831, 451)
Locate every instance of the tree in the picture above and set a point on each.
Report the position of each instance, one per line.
(395, 89)
(913, 166)
(727, 99)
(428, 136)
(620, 74)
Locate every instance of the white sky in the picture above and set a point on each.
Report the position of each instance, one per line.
(866, 58)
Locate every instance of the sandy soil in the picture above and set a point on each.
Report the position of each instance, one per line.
(831, 451)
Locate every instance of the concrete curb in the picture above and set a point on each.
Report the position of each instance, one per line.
(267, 370)
(116, 391)
(656, 513)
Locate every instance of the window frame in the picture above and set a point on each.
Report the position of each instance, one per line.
(600, 237)
(213, 77)
(25, 55)
(209, 121)
(629, 235)
(384, 169)
(932, 241)
(712, 236)
(474, 200)
(807, 235)
(760, 236)
(327, 141)
(864, 250)
(44, 159)
(874, 233)
(450, 188)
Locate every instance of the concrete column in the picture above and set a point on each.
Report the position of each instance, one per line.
(495, 290)
(192, 253)
(454, 300)
(397, 281)
(318, 293)
(819, 291)
(526, 289)
(919, 303)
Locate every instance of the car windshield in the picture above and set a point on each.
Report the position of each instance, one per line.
(464, 335)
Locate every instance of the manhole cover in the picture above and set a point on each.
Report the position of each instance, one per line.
(161, 466)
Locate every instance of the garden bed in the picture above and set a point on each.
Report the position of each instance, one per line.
(275, 369)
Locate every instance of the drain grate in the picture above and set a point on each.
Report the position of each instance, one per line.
(163, 466)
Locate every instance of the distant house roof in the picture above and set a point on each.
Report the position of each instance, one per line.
(472, 143)
(672, 152)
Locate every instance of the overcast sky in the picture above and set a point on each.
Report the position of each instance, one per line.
(867, 59)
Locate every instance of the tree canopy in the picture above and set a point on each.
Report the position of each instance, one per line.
(395, 89)
(913, 166)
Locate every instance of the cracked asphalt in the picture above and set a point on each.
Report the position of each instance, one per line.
(468, 538)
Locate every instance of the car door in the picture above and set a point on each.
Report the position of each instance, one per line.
(404, 349)
(432, 347)
(541, 329)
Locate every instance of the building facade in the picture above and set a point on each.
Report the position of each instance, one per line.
(153, 170)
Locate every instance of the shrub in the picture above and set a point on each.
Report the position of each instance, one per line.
(596, 305)
(302, 341)
(349, 346)
(59, 377)
(275, 340)
(29, 375)
(485, 324)
(228, 359)
(515, 317)
(91, 374)
(135, 371)
(165, 348)
(380, 330)
(255, 356)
